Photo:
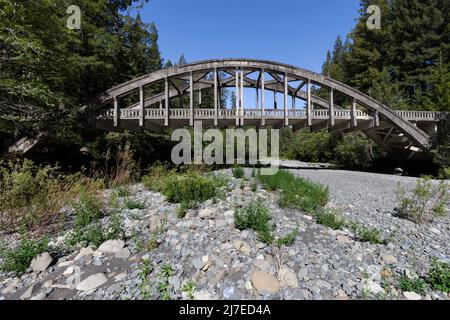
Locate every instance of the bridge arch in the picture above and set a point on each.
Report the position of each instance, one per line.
(401, 133)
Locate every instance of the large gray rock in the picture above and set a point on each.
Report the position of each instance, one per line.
(41, 262)
(111, 246)
(288, 278)
(92, 282)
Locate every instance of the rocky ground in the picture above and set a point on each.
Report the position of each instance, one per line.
(211, 259)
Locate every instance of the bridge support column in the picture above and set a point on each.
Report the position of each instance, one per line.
(376, 119)
(216, 97)
(354, 118)
(286, 114)
(191, 100)
(199, 96)
(166, 100)
(141, 107)
(257, 99)
(242, 97)
(237, 96)
(263, 84)
(331, 108)
(116, 112)
(309, 105)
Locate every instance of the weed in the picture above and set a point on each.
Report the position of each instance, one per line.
(415, 284)
(255, 216)
(439, 276)
(238, 172)
(288, 239)
(134, 204)
(189, 288)
(329, 219)
(163, 285)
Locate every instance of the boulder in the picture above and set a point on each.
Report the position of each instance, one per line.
(41, 262)
(111, 246)
(264, 282)
(92, 282)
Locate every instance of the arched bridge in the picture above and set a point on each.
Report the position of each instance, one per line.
(148, 102)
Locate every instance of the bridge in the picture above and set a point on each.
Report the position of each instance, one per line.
(147, 102)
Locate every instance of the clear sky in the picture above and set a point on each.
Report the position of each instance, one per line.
(297, 32)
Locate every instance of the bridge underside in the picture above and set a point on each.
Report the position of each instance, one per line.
(161, 102)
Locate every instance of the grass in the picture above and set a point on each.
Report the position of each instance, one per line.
(145, 269)
(256, 217)
(417, 284)
(238, 172)
(329, 219)
(189, 288)
(296, 193)
(18, 259)
(439, 276)
(288, 239)
(425, 201)
(163, 285)
(131, 204)
(188, 188)
(371, 235)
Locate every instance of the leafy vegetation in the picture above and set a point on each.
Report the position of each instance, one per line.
(371, 235)
(413, 284)
(329, 219)
(256, 217)
(163, 285)
(425, 201)
(288, 239)
(18, 259)
(439, 276)
(189, 288)
(238, 172)
(296, 192)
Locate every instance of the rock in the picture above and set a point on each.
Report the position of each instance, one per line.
(248, 285)
(206, 213)
(197, 263)
(68, 271)
(41, 262)
(65, 263)
(374, 287)
(343, 239)
(12, 286)
(398, 171)
(217, 277)
(92, 282)
(263, 265)
(264, 282)
(388, 258)
(228, 293)
(412, 295)
(155, 223)
(40, 296)
(84, 252)
(236, 192)
(111, 246)
(288, 278)
(434, 230)
(28, 293)
(123, 253)
(242, 246)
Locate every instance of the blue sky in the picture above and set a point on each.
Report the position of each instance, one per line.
(297, 32)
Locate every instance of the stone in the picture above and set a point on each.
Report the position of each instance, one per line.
(92, 282)
(388, 258)
(111, 246)
(41, 262)
(374, 287)
(40, 296)
(236, 192)
(68, 271)
(264, 282)
(242, 246)
(84, 252)
(123, 253)
(248, 285)
(28, 293)
(343, 239)
(288, 278)
(217, 277)
(197, 263)
(412, 295)
(263, 265)
(228, 293)
(66, 263)
(12, 286)
(206, 213)
(155, 223)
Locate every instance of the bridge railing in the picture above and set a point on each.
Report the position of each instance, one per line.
(420, 115)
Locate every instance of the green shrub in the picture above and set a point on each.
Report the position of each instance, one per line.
(31, 196)
(134, 204)
(416, 284)
(238, 172)
(288, 239)
(18, 259)
(122, 191)
(371, 235)
(255, 216)
(296, 193)
(424, 201)
(329, 219)
(87, 209)
(439, 276)
(355, 152)
(155, 178)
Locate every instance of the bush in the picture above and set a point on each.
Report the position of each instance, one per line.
(238, 172)
(423, 202)
(31, 196)
(87, 209)
(371, 235)
(296, 193)
(188, 188)
(288, 239)
(329, 219)
(255, 216)
(131, 204)
(416, 284)
(18, 259)
(355, 152)
(439, 276)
